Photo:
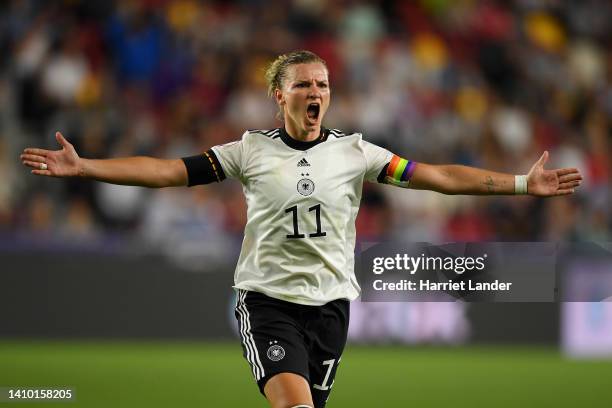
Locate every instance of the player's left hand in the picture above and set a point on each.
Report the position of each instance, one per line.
(556, 182)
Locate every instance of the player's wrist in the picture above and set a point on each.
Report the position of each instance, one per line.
(81, 168)
(520, 184)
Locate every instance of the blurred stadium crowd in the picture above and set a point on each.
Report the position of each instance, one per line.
(485, 83)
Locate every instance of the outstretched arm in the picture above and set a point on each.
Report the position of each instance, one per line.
(134, 171)
(457, 179)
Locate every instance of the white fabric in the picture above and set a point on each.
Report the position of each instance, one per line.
(309, 270)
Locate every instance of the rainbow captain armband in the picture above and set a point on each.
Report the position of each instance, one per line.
(399, 171)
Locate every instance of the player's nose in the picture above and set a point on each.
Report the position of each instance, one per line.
(314, 93)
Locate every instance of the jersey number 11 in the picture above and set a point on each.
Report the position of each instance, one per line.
(296, 228)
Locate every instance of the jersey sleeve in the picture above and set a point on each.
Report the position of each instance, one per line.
(203, 169)
(216, 164)
(376, 159)
(386, 167)
(231, 157)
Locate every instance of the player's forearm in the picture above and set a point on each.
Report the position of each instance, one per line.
(457, 179)
(135, 171)
(471, 180)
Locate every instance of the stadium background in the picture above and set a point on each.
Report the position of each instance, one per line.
(124, 293)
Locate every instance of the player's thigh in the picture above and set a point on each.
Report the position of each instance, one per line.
(271, 339)
(329, 334)
(286, 390)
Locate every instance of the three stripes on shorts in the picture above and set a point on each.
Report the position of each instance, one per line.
(252, 355)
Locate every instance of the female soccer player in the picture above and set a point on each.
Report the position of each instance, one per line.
(303, 185)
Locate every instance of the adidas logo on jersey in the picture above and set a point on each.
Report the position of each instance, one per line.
(303, 163)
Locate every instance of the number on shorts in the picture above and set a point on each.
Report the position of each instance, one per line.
(324, 386)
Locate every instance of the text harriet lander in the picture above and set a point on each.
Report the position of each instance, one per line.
(427, 285)
(414, 264)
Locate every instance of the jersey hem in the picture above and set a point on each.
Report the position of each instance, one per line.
(292, 299)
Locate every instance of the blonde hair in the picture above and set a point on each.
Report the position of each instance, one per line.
(277, 71)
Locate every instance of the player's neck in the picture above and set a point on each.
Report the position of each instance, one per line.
(302, 135)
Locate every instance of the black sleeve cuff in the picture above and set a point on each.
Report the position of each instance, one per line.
(382, 174)
(203, 169)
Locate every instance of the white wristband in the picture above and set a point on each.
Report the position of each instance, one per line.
(520, 184)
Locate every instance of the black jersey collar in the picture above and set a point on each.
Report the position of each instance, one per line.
(299, 145)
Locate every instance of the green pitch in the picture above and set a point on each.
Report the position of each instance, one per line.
(155, 374)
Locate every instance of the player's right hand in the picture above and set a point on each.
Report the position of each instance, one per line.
(55, 163)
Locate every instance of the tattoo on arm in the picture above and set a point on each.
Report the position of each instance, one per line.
(490, 184)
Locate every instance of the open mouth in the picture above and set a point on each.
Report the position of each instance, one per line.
(313, 110)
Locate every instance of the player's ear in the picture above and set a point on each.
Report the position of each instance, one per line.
(278, 95)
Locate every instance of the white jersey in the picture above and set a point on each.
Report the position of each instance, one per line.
(302, 200)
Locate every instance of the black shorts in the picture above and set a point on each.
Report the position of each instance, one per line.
(283, 337)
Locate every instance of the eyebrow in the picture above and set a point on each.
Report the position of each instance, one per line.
(305, 81)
